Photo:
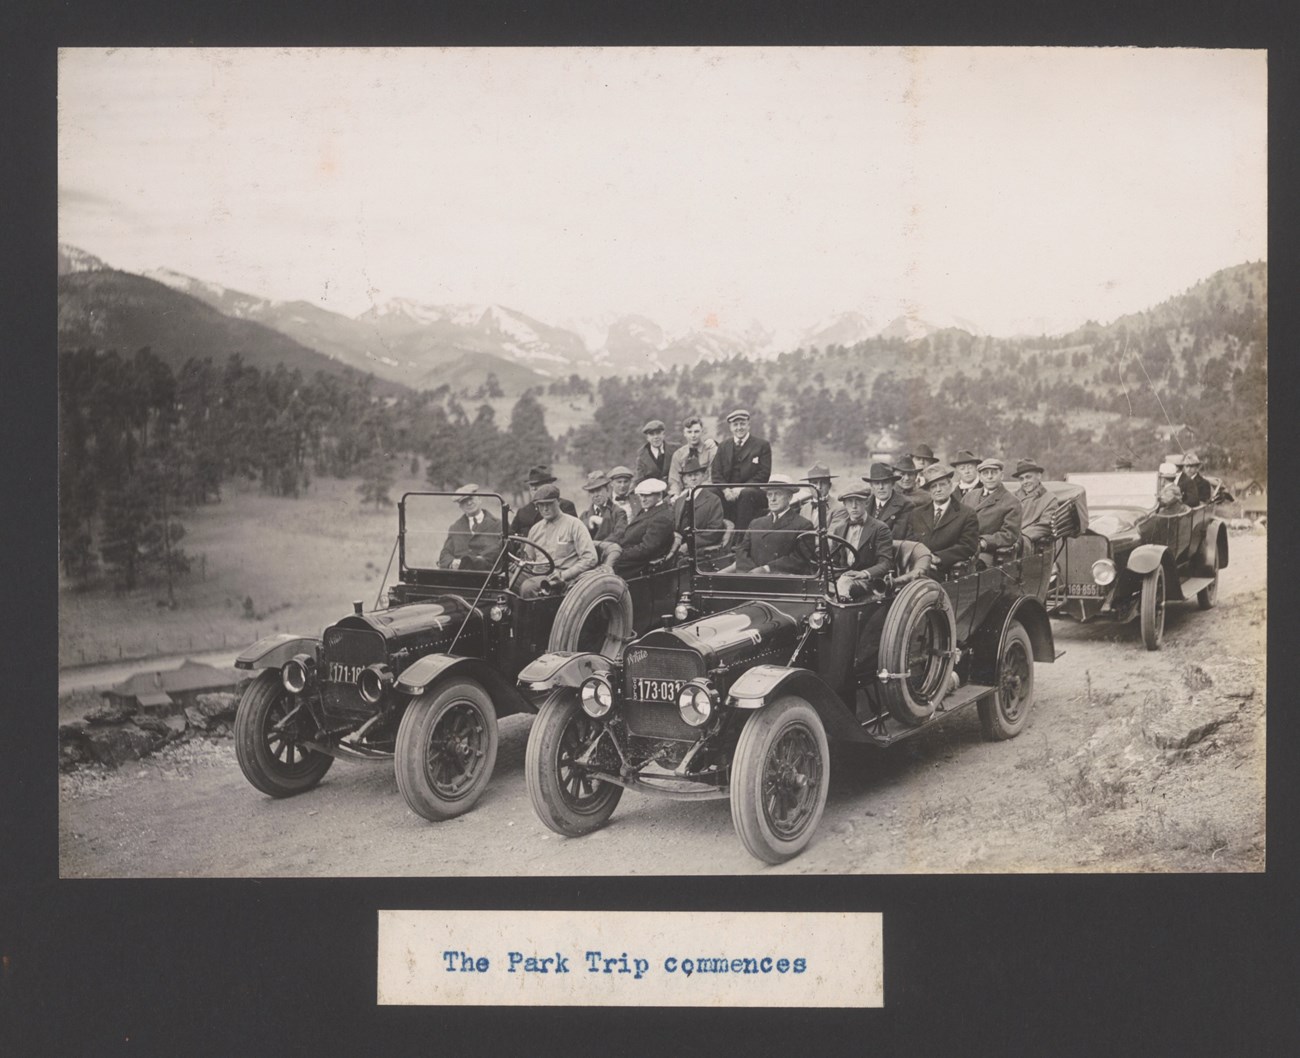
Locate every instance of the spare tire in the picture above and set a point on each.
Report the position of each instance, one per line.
(595, 615)
(917, 647)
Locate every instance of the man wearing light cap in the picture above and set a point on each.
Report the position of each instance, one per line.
(564, 538)
(474, 539)
(653, 459)
(998, 511)
(650, 534)
(1196, 489)
(744, 462)
(768, 545)
(620, 484)
(1037, 505)
(945, 525)
(604, 521)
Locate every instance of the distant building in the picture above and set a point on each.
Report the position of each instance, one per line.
(172, 690)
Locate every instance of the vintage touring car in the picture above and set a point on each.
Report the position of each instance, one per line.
(1131, 560)
(736, 699)
(422, 679)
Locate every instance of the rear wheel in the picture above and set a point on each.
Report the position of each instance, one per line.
(1209, 595)
(1004, 713)
(446, 749)
(271, 726)
(595, 615)
(565, 795)
(779, 779)
(1151, 610)
(916, 651)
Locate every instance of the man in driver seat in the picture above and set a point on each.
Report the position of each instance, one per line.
(769, 544)
(564, 538)
(474, 539)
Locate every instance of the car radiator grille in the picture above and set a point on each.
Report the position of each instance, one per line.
(347, 652)
(652, 678)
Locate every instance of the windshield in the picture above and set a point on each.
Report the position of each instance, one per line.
(451, 531)
(1121, 488)
(769, 545)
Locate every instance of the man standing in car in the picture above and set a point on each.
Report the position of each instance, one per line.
(697, 447)
(744, 462)
(652, 460)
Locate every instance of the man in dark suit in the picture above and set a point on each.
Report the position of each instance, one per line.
(949, 528)
(968, 479)
(653, 460)
(886, 504)
(871, 540)
(604, 521)
(474, 539)
(907, 489)
(998, 511)
(1037, 505)
(744, 462)
(768, 546)
(650, 534)
(1196, 489)
(707, 514)
(527, 516)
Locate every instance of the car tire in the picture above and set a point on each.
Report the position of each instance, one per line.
(780, 776)
(565, 797)
(1208, 596)
(595, 615)
(1151, 610)
(1004, 713)
(446, 749)
(276, 761)
(918, 638)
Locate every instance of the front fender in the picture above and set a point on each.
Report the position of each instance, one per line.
(762, 684)
(421, 676)
(561, 668)
(985, 645)
(272, 652)
(1145, 558)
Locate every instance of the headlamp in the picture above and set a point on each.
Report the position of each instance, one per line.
(296, 673)
(695, 702)
(597, 696)
(1103, 571)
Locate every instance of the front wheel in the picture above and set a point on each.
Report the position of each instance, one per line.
(446, 750)
(270, 729)
(1151, 610)
(1209, 595)
(1006, 711)
(779, 779)
(565, 795)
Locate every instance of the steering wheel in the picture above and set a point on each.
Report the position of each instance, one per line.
(533, 568)
(833, 553)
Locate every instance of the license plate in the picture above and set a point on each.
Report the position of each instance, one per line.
(648, 690)
(1093, 590)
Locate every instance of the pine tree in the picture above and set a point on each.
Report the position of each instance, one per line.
(376, 480)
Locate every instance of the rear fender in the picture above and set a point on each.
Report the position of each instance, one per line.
(763, 684)
(424, 675)
(985, 645)
(1216, 544)
(273, 652)
(561, 668)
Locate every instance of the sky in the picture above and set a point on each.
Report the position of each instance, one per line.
(1016, 188)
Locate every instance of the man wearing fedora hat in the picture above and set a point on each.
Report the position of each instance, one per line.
(967, 477)
(1037, 505)
(526, 517)
(474, 539)
(1196, 489)
(819, 478)
(998, 511)
(650, 534)
(768, 545)
(652, 459)
(923, 456)
(871, 540)
(706, 517)
(697, 447)
(604, 521)
(945, 525)
(907, 471)
(886, 504)
(744, 462)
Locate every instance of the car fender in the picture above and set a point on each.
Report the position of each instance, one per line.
(1216, 544)
(273, 652)
(1144, 558)
(561, 668)
(762, 684)
(985, 645)
(423, 675)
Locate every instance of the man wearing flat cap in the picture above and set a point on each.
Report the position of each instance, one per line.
(768, 545)
(564, 538)
(650, 534)
(526, 517)
(1196, 489)
(697, 447)
(967, 478)
(707, 503)
(653, 459)
(907, 472)
(474, 539)
(744, 462)
(1037, 505)
(998, 512)
(620, 484)
(604, 521)
(945, 525)
(886, 505)
(819, 477)
(871, 540)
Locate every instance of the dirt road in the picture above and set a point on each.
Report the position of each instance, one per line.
(1089, 786)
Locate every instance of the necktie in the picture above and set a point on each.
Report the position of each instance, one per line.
(938, 513)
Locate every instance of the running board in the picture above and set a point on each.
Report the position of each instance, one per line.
(653, 787)
(885, 730)
(344, 751)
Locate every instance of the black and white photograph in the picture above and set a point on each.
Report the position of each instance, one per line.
(610, 461)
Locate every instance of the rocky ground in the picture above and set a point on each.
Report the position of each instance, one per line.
(1132, 761)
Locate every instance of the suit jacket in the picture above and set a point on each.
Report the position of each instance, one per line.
(808, 509)
(482, 544)
(954, 539)
(1036, 507)
(629, 505)
(894, 513)
(760, 546)
(999, 517)
(875, 548)
(1195, 490)
(648, 537)
(749, 464)
(708, 450)
(915, 498)
(610, 522)
(964, 494)
(709, 529)
(647, 466)
(527, 517)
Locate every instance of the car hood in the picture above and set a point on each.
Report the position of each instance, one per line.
(722, 638)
